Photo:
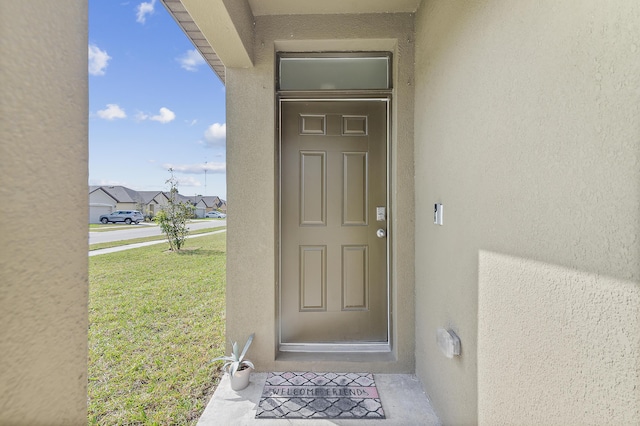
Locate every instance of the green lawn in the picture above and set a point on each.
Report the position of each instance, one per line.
(146, 239)
(156, 319)
(98, 227)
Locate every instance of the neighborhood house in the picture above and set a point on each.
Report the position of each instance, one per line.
(106, 199)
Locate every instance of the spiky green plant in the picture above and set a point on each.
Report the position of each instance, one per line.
(236, 361)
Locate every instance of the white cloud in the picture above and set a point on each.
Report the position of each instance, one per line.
(197, 168)
(188, 181)
(98, 60)
(191, 60)
(111, 112)
(192, 122)
(216, 134)
(107, 182)
(145, 9)
(141, 116)
(165, 116)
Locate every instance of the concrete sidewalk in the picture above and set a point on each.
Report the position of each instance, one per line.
(148, 243)
(403, 400)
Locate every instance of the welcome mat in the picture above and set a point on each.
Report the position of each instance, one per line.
(296, 395)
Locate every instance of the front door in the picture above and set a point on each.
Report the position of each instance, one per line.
(334, 222)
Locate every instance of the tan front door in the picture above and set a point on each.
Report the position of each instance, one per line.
(333, 241)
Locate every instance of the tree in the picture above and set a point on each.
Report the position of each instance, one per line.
(173, 218)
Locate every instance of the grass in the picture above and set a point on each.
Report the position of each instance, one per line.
(110, 244)
(99, 227)
(156, 319)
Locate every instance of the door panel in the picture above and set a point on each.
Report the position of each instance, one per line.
(313, 278)
(355, 196)
(312, 188)
(355, 278)
(333, 266)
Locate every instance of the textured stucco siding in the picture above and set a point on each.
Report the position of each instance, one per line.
(43, 161)
(527, 129)
(252, 155)
(556, 345)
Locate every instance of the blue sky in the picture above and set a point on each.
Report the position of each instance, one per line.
(154, 103)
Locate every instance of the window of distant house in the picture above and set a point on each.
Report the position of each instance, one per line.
(334, 72)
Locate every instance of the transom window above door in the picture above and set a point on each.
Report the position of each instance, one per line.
(327, 71)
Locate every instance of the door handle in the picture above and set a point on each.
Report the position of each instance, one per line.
(381, 233)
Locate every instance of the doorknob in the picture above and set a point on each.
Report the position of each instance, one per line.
(381, 233)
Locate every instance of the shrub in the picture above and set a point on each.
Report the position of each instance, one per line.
(173, 218)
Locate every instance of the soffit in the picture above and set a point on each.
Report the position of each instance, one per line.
(185, 21)
(283, 7)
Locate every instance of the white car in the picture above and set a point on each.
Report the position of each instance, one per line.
(215, 214)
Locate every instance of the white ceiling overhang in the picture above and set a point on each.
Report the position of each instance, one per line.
(222, 29)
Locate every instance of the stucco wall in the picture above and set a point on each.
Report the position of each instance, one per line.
(43, 161)
(251, 166)
(527, 129)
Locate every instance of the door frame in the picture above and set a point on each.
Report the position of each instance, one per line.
(338, 96)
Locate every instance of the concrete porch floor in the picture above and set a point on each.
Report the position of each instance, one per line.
(403, 400)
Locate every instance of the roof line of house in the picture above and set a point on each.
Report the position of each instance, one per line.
(122, 194)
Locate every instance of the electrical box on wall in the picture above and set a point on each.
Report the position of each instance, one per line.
(448, 342)
(437, 214)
